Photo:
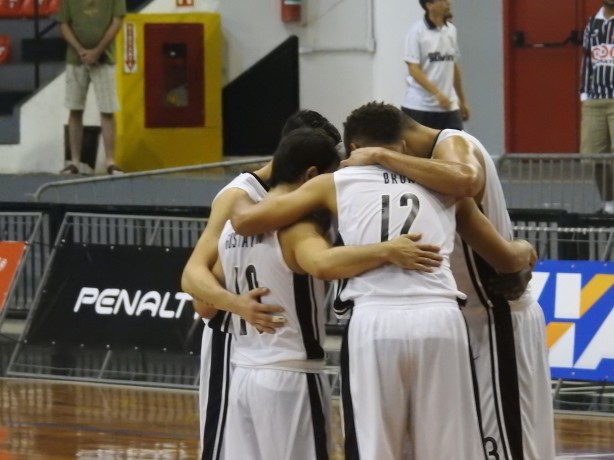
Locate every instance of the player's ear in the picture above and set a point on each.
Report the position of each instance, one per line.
(404, 148)
(353, 147)
(311, 172)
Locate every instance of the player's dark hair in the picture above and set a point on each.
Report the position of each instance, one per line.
(311, 119)
(375, 124)
(298, 151)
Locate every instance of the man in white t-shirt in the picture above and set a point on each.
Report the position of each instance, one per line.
(434, 96)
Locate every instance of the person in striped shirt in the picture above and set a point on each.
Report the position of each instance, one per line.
(597, 95)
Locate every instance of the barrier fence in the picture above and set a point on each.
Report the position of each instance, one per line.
(554, 181)
(103, 302)
(109, 306)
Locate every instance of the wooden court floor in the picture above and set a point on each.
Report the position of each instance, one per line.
(45, 420)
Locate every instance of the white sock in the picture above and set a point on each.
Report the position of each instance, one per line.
(608, 207)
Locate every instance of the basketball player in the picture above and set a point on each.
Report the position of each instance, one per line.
(406, 369)
(278, 384)
(198, 281)
(507, 338)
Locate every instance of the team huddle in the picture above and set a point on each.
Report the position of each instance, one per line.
(408, 233)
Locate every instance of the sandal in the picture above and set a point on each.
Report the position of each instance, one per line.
(71, 169)
(114, 170)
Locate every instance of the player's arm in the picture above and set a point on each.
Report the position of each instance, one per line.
(312, 253)
(199, 281)
(454, 170)
(478, 232)
(279, 211)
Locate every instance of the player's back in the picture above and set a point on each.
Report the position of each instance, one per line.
(376, 205)
(250, 262)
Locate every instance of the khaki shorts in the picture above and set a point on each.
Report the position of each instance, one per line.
(597, 126)
(102, 77)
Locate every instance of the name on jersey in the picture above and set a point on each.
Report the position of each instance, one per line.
(393, 178)
(438, 57)
(234, 241)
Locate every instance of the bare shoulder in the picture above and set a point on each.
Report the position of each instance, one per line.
(457, 148)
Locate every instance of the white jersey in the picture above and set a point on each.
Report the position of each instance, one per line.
(216, 348)
(249, 183)
(250, 262)
(391, 205)
(436, 50)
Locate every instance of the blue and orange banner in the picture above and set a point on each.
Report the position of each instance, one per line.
(578, 303)
(10, 257)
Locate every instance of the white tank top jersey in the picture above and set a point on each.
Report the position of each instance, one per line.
(248, 182)
(374, 205)
(254, 261)
(494, 207)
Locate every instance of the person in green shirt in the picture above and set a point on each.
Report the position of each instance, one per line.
(89, 27)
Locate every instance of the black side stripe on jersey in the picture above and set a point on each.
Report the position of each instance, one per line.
(304, 311)
(473, 273)
(217, 398)
(341, 307)
(351, 441)
(318, 420)
(506, 367)
(220, 322)
(435, 143)
(476, 392)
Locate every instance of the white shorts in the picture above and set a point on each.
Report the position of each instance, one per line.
(407, 385)
(278, 415)
(102, 77)
(529, 421)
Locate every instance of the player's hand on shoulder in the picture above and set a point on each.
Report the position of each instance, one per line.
(407, 253)
(264, 317)
(362, 156)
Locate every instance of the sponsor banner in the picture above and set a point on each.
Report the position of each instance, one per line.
(10, 256)
(578, 303)
(116, 296)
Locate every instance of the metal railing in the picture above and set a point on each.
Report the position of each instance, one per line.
(124, 188)
(554, 181)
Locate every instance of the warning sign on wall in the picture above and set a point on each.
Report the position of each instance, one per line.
(130, 47)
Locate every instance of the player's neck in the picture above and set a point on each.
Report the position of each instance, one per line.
(264, 173)
(608, 11)
(422, 141)
(282, 189)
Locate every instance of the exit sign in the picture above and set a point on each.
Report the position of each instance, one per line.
(185, 2)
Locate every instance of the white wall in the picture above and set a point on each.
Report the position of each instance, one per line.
(351, 53)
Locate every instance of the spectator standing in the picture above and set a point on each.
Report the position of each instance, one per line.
(597, 95)
(435, 95)
(89, 27)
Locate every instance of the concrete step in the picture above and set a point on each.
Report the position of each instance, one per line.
(9, 128)
(21, 76)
